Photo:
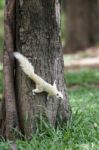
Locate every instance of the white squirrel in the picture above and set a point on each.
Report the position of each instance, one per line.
(41, 85)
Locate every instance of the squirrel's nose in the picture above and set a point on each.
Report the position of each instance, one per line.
(60, 97)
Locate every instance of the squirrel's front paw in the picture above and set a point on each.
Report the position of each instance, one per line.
(33, 92)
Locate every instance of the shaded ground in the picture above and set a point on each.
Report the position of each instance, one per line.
(83, 59)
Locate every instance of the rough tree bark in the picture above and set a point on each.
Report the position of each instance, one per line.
(82, 24)
(9, 119)
(38, 38)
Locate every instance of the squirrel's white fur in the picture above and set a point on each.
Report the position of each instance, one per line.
(41, 85)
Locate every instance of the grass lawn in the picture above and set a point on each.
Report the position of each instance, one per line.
(82, 133)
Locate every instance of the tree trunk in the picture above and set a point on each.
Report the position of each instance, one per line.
(8, 115)
(38, 38)
(94, 11)
(82, 24)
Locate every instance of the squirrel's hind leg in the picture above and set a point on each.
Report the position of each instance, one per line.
(38, 89)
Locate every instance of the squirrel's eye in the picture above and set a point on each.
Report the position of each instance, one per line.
(57, 94)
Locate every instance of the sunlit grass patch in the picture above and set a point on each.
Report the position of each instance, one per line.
(82, 77)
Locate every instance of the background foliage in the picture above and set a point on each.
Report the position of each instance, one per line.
(1, 24)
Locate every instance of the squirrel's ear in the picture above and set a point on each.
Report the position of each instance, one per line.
(54, 84)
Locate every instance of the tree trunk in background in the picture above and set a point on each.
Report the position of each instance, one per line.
(37, 37)
(82, 24)
(94, 11)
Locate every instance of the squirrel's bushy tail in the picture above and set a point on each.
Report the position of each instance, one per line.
(25, 64)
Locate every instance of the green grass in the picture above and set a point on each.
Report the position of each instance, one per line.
(83, 77)
(82, 133)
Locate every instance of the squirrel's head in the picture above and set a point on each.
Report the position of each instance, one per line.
(59, 95)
